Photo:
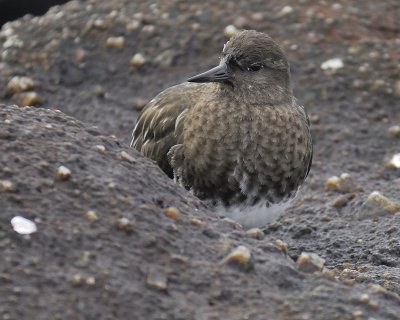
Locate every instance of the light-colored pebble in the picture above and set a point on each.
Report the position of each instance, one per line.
(30, 98)
(240, 257)
(230, 31)
(92, 216)
(6, 186)
(123, 223)
(126, 157)
(333, 64)
(100, 148)
(115, 42)
(394, 162)
(23, 226)
(281, 244)
(63, 173)
(173, 213)
(255, 233)
(394, 131)
(157, 279)
(310, 262)
(19, 84)
(138, 60)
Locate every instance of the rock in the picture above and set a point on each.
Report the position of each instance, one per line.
(123, 155)
(115, 42)
(394, 131)
(92, 216)
(157, 279)
(19, 84)
(240, 258)
(310, 262)
(173, 213)
(26, 99)
(63, 173)
(377, 205)
(138, 60)
(230, 30)
(255, 233)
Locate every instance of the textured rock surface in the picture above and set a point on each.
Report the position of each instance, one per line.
(129, 258)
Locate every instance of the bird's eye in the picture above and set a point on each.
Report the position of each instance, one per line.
(255, 67)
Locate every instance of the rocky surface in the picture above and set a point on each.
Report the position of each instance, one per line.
(117, 239)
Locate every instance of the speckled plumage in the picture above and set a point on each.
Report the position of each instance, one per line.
(236, 138)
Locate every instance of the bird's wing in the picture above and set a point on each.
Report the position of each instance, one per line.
(159, 126)
(307, 120)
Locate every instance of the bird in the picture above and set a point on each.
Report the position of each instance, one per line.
(234, 135)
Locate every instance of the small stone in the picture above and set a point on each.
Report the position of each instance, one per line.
(333, 183)
(76, 279)
(310, 262)
(255, 233)
(358, 314)
(157, 279)
(23, 226)
(19, 84)
(149, 30)
(197, 222)
(28, 99)
(394, 162)
(100, 148)
(100, 24)
(91, 281)
(314, 118)
(99, 91)
(126, 156)
(258, 16)
(138, 60)
(377, 205)
(230, 31)
(173, 213)
(63, 173)
(80, 55)
(241, 258)
(333, 64)
(92, 216)
(343, 183)
(124, 224)
(281, 244)
(364, 298)
(6, 186)
(115, 42)
(132, 25)
(394, 131)
(285, 11)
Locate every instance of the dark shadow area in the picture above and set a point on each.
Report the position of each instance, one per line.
(13, 9)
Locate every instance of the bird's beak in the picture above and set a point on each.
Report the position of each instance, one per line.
(218, 74)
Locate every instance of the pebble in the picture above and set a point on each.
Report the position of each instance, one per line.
(310, 262)
(138, 60)
(23, 226)
(285, 11)
(81, 55)
(63, 173)
(126, 156)
(230, 31)
(343, 183)
(197, 222)
(6, 186)
(157, 279)
(30, 98)
(148, 30)
(281, 244)
(100, 148)
(173, 213)
(132, 25)
(124, 224)
(377, 205)
(90, 281)
(394, 131)
(19, 84)
(241, 258)
(394, 162)
(115, 42)
(92, 216)
(333, 64)
(255, 233)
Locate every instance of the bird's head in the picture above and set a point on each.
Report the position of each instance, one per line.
(252, 62)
